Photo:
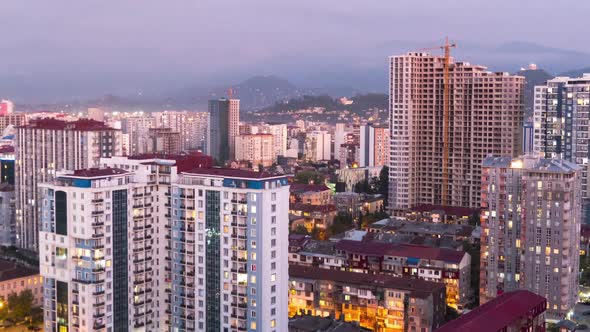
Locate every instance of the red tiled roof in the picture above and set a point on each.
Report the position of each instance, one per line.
(449, 210)
(231, 173)
(498, 313)
(184, 162)
(80, 125)
(10, 270)
(312, 208)
(95, 172)
(6, 148)
(302, 187)
(401, 250)
(419, 288)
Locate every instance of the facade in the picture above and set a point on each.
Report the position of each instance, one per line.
(196, 133)
(137, 127)
(96, 114)
(224, 126)
(511, 312)
(7, 215)
(314, 194)
(374, 145)
(279, 134)
(562, 108)
(318, 146)
(47, 146)
(16, 278)
(528, 138)
(486, 111)
(229, 251)
(531, 216)
(313, 216)
(378, 302)
(258, 149)
(14, 119)
(164, 140)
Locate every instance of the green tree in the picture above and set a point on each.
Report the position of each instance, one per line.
(307, 177)
(475, 252)
(342, 223)
(300, 229)
(451, 314)
(383, 184)
(20, 305)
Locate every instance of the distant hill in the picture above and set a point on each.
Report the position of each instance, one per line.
(532, 78)
(576, 72)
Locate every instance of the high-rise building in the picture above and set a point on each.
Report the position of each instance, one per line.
(14, 119)
(164, 140)
(339, 138)
(6, 107)
(531, 216)
(96, 114)
(196, 131)
(229, 251)
(224, 126)
(528, 138)
(137, 127)
(46, 146)
(279, 134)
(374, 145)
(318, 146)
(258, 149)
(562, 108)
(485, 117)
(7, 214)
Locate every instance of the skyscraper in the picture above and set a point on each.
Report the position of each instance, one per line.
(531, 216)
(137, 127)
(229, 251)
(46, 146)
(561, 112)
(224, 126)
(485, 117)
(374, 145)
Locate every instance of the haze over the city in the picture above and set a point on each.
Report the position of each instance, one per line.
(71, 49)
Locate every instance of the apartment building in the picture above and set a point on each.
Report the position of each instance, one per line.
(137, 127)
(318, 146)
(381, 303)
(531, 216)
(485, 112)
(229, 251)
(561, 111)
(224, 126)
(46, 146)
(14, 119)
(16, 278)
(374, 145)
(257, 149)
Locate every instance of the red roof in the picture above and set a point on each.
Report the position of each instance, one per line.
(312, 208)
(231, 173)
(498, 313)
(302, 187)
(419, 288)
(184, 162)
(6, 149)
(80, 125)
(449, 210)
(401, 250)
(95, 172)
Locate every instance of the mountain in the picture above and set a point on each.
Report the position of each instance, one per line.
(532, 77)
(576, 72)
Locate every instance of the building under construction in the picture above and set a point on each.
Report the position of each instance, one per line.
(445, 118)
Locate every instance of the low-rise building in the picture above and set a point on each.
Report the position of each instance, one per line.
(515, 311)
(441, 214)
(308, 323)
(416, 228)
(314, 194)
(15, 278)
(378, 302)
(312, 216)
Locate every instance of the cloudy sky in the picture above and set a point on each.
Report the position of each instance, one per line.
(70, 48)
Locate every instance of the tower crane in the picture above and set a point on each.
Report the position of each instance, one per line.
(446, 116)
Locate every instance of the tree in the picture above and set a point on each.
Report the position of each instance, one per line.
(300, 229)
(342, 223)
(307, 177)
(451, 314)
(383, 184)
(370, 218)
(20, 305)
(475, 252)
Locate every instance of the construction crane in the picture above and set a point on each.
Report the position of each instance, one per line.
(446, 116)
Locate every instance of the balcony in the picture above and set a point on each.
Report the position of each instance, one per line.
(97, 212)
(97, 200)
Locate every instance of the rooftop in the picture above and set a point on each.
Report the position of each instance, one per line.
(403, 226)
(183, 162)
(532, 163)
(232, 173)
(301, 187)
(312, 208)
(496, 314)
(6, 149)
(79, 125)
(401, 250)
(10, 270)
(418, 288)
(323, 324)
(96, 172)
(449, 210)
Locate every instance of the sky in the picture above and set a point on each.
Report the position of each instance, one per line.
(71, 48)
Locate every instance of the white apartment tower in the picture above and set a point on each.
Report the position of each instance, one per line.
(138, 127)
(486, 111)
(258, 149)
(229, 251)
(531, 216)
(318, 146)
(46, 146)
(561, 130)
